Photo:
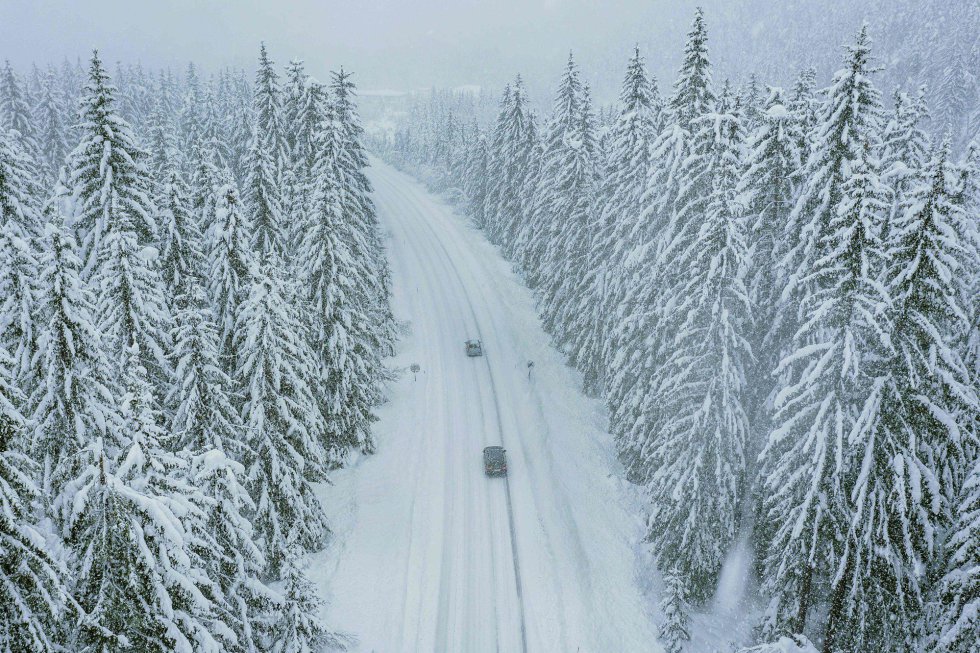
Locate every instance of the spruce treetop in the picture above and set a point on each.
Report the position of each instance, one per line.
(692, 90)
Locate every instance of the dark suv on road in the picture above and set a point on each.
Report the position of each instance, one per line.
(474, 348)
(495, 461)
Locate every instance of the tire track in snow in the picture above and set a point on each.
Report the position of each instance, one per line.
(453, 272)
(449, 265)
(440, 457)
(577, 580)
(417, 197)
(420, 548)
(519, 585)
(448, 602)
(535, 401)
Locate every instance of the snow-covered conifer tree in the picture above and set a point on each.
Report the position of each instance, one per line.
(675, 630)
(181, 257)
(275, 367)
(476, 177)
(767, 190)
(205, 180)
(234, 562)
(828, 406)
(132, 574)
(692, 97)
(954, 96)
(107, 176)
(16, 113)
(71, 404)
(960, 588)
(267, 106)
(230, 266)
(805, 107)
(190, 109)
(752, 102)
(294, 98)
(264, 198)
(912, 464)
(697, 423)
(568, 261)
(341, 301)
(905, 149)
(300, 629)
(202, 396)
(551, 200)
(133, 529)
(363, 234)
(266, 156)
(32, 595)
(20, 217)
(52, 132)
(633, 133)
(131, 306)
(514, 147)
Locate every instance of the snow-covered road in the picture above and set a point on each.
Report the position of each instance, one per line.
(431, 555)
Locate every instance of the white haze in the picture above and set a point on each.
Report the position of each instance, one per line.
(404, 45)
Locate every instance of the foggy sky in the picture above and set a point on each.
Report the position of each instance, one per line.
(389, 44)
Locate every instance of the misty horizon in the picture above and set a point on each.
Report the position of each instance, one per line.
(436, 43)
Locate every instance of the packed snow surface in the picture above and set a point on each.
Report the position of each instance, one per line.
(428, 553)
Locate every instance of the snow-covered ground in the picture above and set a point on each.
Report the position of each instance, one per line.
(428, 553)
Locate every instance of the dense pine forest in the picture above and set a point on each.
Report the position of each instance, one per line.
(194, 311)
(777, 294)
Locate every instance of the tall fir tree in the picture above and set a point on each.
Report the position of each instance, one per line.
(363, 232)
(72, 402)
(905, 149)
(247, 606)
(294, 97)
(203, 396)
(767, 189)
(477, 183)
(266, 156)
(959, 592)
(514, 147)
(675, 630)
(131, 306)
(300, 629)
(692, 97)
(341, 302)
(33, 599)
(568, 259)
(533, 235)
(805, 106)
(106, 174)
(132, 573)
(283, 421)
(230, 265)
(16, 112)
(827, 408)
(20, 226)
(635, 128)
(914, 465)
(696, 411)
(52, 131)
